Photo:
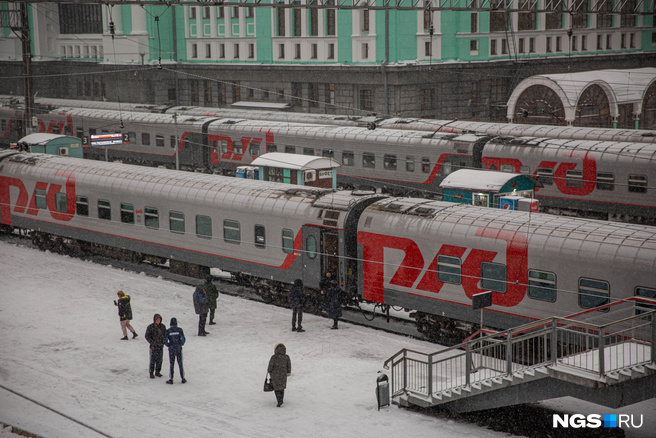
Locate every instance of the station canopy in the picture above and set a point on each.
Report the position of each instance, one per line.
(294, 161)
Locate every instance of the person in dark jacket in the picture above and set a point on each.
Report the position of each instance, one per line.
(125, 313)
(280, 366)
(324, 283)
(212, 295)
(174, 338)
(155, 336)
(296, 302)
(334, 303)
(201, 307)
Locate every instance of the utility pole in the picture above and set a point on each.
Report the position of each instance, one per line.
(27, 66)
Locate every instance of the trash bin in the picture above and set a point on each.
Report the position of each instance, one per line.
(382, 390)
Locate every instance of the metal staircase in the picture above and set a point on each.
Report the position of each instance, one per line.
(603, 355)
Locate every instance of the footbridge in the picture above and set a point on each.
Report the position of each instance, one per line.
(603, 355)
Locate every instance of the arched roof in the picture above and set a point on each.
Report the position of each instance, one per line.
(294, 161)
(621, 87)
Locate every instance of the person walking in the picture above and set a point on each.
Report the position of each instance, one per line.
(280, 366)
(125, 313)
(212, 295)
(201, 308)
(174, 339)
(296, 302)
(155, 336)
(334, 303)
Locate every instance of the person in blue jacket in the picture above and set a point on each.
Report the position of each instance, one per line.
(174, 338)
(201, 306)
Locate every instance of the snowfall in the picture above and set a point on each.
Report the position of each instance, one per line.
(61, 350)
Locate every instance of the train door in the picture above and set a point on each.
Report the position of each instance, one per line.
(330, 253)
(312, 259)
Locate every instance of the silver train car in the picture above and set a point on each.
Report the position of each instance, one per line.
(606, 180)
(429, 256)
(368, 121)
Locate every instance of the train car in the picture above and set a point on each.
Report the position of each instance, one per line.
(433, 256)
(429, 256)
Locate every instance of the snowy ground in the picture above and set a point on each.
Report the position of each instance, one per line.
(60, 347)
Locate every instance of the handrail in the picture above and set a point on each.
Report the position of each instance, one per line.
(596, 348)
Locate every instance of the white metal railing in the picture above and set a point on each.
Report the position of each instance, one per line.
(595, 348)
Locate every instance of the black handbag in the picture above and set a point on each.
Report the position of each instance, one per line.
(268, 386)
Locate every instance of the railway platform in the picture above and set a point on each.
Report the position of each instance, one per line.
(603, 356)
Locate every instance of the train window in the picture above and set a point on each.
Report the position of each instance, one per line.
(159, 141)
(308, 151)
(79, 132)
(545, 175)
(425, 165)
(449, 269)
(638, 183)
(327, 153)
(231, 231)
(60, 202)
(92, 131)
(409, 163)
(508, 168)
(104, 210)
(348, 159)
(127, 213)
(68, 130)
(647, 293)
(4, 125)
(40, 198)
(290, 149)
(151, 217)
(593, 293)
(389, 162)
(55, 129)
(204, 226)
(542, 285)
(132, 137)
(574, 178)
(224, 146)
(254, 149)
(287, 241)
(446, 168)
(605, 181)
(311, 247)
(260, 236)
(237, 148)
(368, 160)
(493, 276)
(272, 148)
(176, 222)
(82, 205)
(172, 141)
(145, 139)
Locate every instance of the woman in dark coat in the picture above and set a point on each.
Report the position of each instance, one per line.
(280, 366)
(296, 302)
(334, 303)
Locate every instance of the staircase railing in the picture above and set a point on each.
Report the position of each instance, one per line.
(594, 348)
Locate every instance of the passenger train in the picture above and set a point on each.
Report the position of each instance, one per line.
(373, 121)
(420, 254)
(591, 178)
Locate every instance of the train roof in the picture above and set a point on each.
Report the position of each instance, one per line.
(132, 116)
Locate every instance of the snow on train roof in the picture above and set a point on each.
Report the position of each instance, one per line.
(294, 161)
(132, 116)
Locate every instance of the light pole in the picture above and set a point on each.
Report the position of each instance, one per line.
(177, 142)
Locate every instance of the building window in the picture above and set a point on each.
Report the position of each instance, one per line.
(331, 51)
(235, 12)
(542, 285)
(558, 44)
(251, 51)
(366, 100)
(221, 51)
(527, 16)
(474, 22)
(194, 51)
(208, 50)
(548, 47)
(104, 210)
(297, 94)
(330, 22)
(498, 19)
(314, 22)
(554, 20)
(365, 51)
(449, 269)
(504, 47)
(623, 41)
(287, 241)
(260, 236)
(281, 22)
(127, 213)
(599, 42)
(192, 13)
(365, 21)
(75, 19)
(609, 45)
(493, 47)
(521, 45)
(206, 12)
(297, 51)
(250, 12)
(176, 222)
(573, 48)
(236, 51)
(313, 94)
(281, 51)
(219, 13)
(584, 43)
(531, 45)
(151, 217)
(296, 21)
(593, 293)
(330, 94)
(231, 232)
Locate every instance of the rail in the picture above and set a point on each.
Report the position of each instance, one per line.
(599, 349)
